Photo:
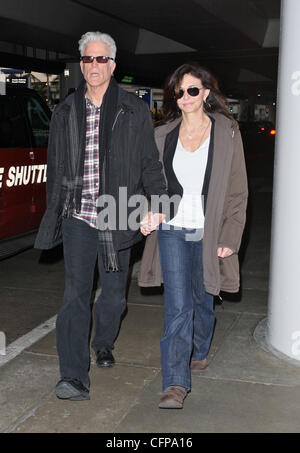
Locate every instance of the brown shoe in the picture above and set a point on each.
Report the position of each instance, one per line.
(198, 365)
(172, 398)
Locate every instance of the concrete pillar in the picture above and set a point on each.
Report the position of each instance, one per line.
(72, 80)
(2, 84)
(283, 325)
(251, 106)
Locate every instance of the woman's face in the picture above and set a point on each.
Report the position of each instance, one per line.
(188, 103)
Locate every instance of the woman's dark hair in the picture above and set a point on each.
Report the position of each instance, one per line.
(215, 102)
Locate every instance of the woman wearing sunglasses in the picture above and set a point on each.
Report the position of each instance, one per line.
(202, 153)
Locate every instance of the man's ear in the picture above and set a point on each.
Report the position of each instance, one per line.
(113, 67)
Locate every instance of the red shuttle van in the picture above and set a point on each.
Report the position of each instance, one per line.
(24, 130)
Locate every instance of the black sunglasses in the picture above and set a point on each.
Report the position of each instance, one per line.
(193, 91)
(100, 59)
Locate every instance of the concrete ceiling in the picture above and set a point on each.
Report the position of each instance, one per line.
(237, 39)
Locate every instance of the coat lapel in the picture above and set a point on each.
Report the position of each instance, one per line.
(168, 156)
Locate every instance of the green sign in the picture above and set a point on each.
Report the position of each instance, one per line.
(127, 79)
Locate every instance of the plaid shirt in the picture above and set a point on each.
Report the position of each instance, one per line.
(90, 189)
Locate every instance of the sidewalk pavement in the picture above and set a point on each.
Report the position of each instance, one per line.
(245, 389)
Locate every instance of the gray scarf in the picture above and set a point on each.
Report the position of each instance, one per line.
(74, 165)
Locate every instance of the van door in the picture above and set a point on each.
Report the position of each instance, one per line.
(16, 189)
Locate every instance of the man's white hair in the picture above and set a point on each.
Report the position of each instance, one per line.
(98, 36)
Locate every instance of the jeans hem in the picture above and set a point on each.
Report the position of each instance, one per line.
(85, 382)
(96, 349)
(200, 358)
(176, 380)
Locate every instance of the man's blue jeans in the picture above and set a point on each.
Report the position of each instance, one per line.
(189, 312)
(81, 250)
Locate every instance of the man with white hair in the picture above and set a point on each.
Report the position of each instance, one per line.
(101, 139)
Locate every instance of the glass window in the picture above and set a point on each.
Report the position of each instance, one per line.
(13, 130)
(39, 121)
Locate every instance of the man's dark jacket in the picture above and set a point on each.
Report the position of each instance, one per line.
(133, 163)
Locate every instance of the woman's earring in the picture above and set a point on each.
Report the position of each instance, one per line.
(207, 105)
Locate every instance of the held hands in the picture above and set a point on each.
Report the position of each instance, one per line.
(150, 222)
(224, 252)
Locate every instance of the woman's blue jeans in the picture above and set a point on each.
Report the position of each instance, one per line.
(189, 312)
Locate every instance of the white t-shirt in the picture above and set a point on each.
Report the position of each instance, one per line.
(189, 168)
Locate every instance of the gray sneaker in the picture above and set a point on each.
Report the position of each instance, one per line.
(71, 389)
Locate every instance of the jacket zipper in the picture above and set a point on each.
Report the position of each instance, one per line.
(116, 119)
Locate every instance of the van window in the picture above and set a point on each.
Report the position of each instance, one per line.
(39, 122)
(13, 131)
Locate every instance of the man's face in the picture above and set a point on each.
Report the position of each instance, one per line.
(97, 74)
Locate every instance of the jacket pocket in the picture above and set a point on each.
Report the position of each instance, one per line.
(50, 233)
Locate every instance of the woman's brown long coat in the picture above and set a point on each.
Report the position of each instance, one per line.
(225, 213)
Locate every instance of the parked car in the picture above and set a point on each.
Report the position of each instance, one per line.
(24, 129)
(258, 138)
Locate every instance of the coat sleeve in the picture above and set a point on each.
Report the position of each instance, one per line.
(234, 213)
(53, 157)
(150, 273)
(152, 173)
